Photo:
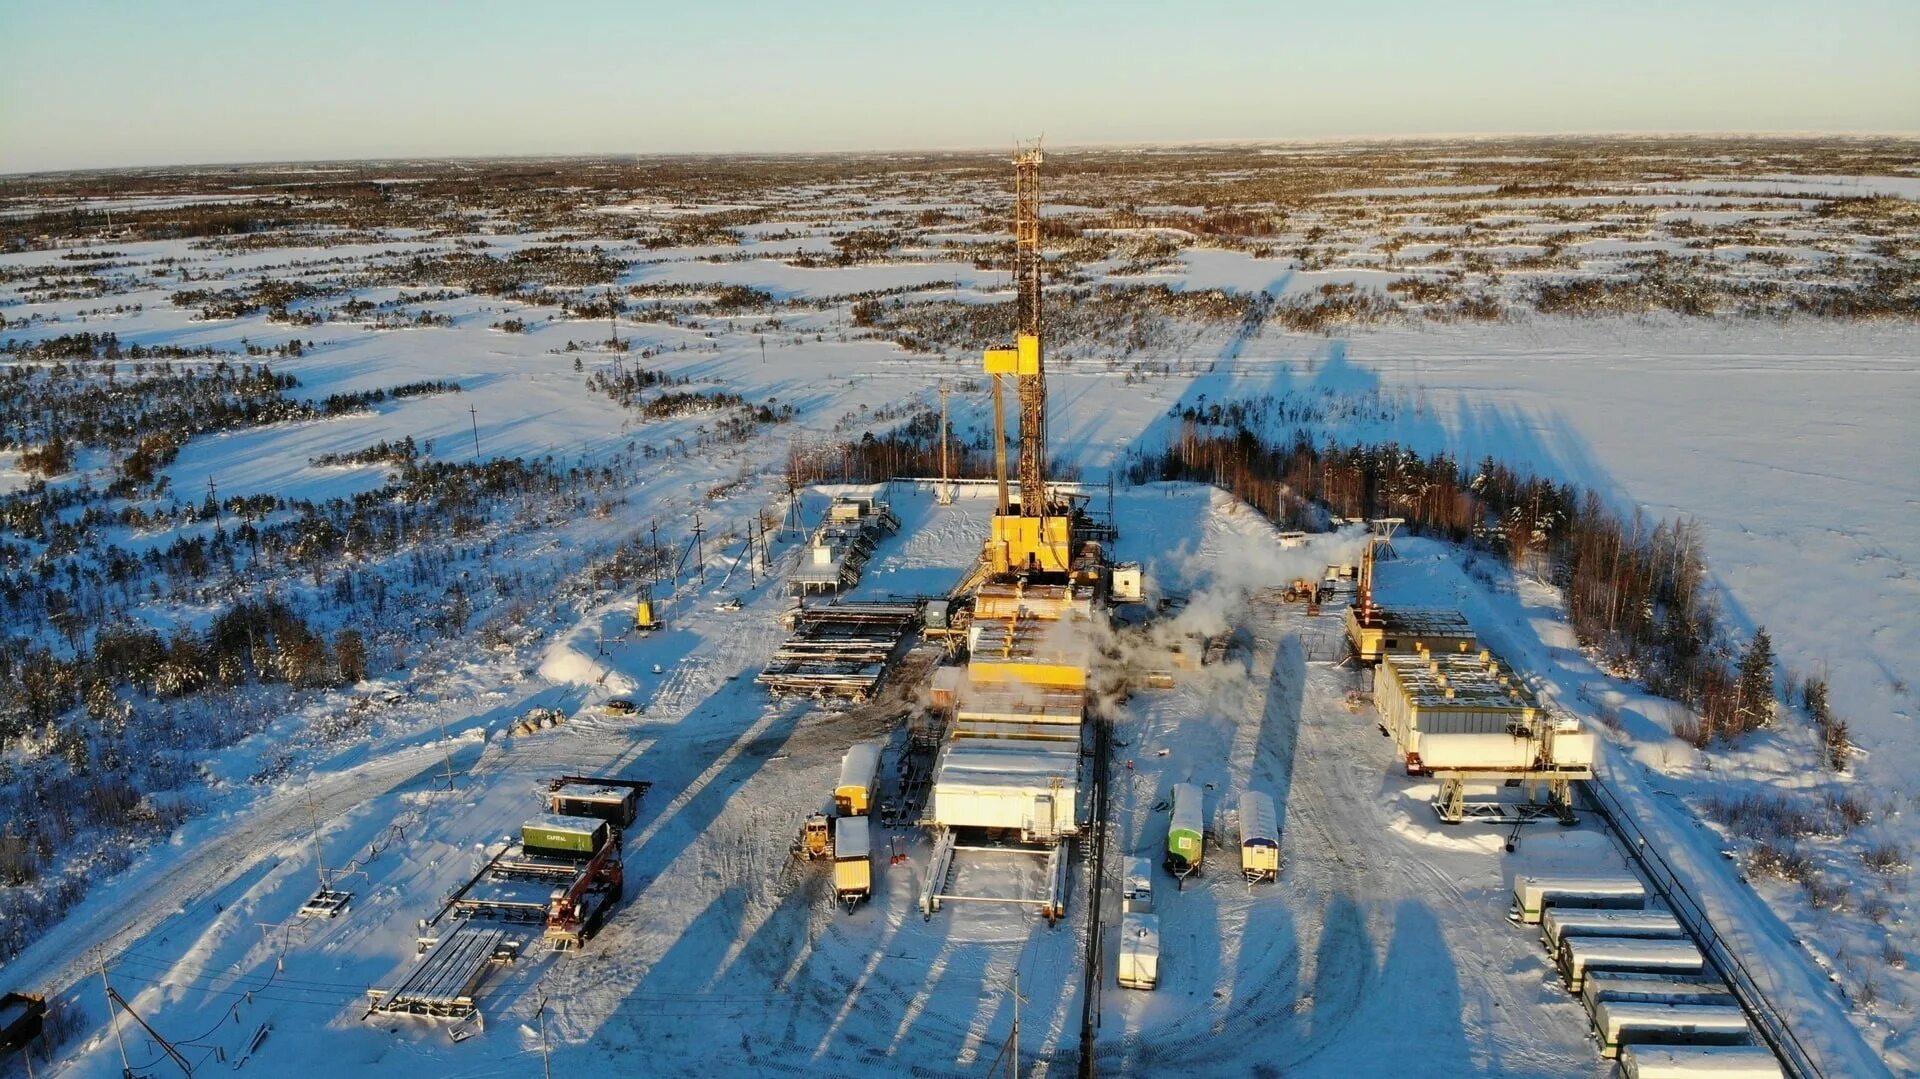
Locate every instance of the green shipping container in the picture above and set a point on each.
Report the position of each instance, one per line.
(580, 836)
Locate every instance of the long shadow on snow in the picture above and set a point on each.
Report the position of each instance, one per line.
(1342, 971)
(1430, 1031)
(664, 846)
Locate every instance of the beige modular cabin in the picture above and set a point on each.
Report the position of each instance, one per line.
(1572, 921)
(1259, 838)
(1641, 1022)
(1139, 965)
(1664, 988)
(1696, 1061)
(1581, 956)
(1532, 895)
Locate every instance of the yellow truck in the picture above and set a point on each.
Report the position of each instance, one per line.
(852, 861)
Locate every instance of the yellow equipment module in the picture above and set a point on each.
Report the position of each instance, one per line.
(1022, 359)
(643, 616)
(1030, 543)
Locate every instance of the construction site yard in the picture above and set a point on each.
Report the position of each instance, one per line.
(1384, 932)
(573, 563)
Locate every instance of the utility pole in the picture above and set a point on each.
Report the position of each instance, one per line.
(613, 321)
(213, 496)
(446, 753)
(313, 833)
(946, 476)
(546, 1060)
(1017, 1000)
(474, 414)
(699, 550)
(113, 1019)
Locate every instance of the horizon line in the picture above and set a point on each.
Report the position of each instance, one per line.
(1305, 140)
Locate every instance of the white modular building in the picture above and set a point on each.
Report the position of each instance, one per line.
(1450, 711)
(1013, 785)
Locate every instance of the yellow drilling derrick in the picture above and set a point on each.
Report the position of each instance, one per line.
(1039, 537)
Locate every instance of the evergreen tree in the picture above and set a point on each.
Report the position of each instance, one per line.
(1756, 682)
(1839, 745)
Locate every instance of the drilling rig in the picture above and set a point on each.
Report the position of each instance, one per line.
(1038, 537)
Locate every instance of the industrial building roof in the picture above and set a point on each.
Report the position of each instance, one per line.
(1029, 641)
(1422, 621)
(1051, 703)
(1460, 680)
(1008, 763)
(584, 793)
(556, 823)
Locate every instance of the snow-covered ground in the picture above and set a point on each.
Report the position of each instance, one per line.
(1793, 442)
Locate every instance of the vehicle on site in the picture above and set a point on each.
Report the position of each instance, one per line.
(1139, 966)
(859, 780)
(620, 706)
(1259, 838)
(1186, 831)
(816, 838)
(852, 861)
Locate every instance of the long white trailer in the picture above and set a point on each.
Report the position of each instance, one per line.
(1641, 1022)
(1662, 988)
(1697, 1061)
(1581, 956)
(1139, 966)
(1558, 922)
(1533, 895)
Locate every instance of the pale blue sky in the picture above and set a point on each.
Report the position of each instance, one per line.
(88, 83)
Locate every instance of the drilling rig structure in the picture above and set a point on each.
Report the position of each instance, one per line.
(1038, 537)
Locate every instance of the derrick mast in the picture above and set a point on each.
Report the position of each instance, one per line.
(1033, 383)
(1038, 538)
